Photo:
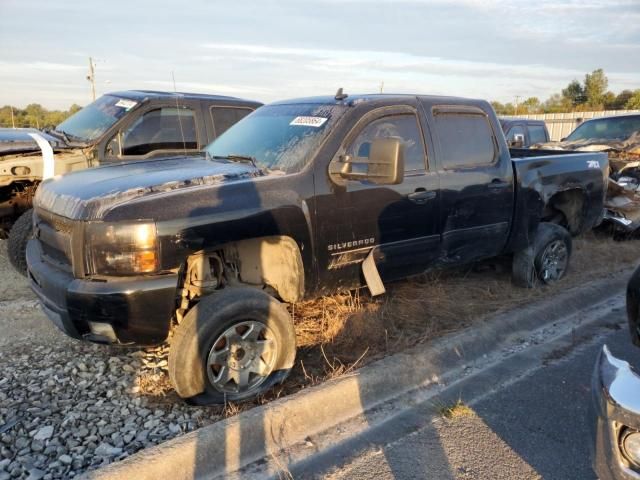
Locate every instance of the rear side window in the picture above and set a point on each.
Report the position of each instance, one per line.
(404, 127)
(465, 139)
(537, 134)
(225, 117)
(166, 128)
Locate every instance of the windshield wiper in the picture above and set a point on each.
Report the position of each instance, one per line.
(237, 158)
(67, 137)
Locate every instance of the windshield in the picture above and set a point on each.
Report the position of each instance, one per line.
(615, 128)
(278, 137)
(94, 119)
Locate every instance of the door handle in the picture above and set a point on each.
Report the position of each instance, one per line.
(421, 196)
(497, 184)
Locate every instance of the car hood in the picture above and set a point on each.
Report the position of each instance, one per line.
(19, 140)
(88, 194)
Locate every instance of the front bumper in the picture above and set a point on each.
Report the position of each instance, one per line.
(615, 406)
(138, 310)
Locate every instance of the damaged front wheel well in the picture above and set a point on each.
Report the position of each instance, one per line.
(272, 263)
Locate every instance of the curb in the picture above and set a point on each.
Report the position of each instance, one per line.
(228, 445)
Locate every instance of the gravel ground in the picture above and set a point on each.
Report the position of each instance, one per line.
(66, 406)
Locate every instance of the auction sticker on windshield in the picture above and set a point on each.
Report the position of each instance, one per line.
(309, 121)
(126, 104)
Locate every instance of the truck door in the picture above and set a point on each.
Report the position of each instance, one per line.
(398, 222)
(476, 181)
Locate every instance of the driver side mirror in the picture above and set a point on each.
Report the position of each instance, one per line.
(383, 166)
(518, 141)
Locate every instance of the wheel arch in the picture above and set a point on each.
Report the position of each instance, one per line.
(273, 261)
(570, 203)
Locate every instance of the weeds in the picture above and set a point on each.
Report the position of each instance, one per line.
(457, 410)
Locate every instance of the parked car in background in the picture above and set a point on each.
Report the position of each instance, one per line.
(523, 132)
(118, 127)
(616, 404)
(300, 199)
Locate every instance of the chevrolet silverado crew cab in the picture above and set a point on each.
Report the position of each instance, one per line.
(118, 127)
(299, 199)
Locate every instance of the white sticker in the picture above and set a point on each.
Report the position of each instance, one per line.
(593, 164)
(47, 156)
(309, 121)
(126, 104)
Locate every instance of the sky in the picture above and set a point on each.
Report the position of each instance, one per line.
(269, 50)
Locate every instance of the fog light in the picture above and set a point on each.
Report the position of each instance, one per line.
(631, 446)
(103, 330)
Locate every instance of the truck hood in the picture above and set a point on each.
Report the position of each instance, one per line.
(18, 140)
(88, 194)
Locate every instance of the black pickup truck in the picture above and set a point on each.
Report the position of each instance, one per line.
(299, 199)
(118, 127)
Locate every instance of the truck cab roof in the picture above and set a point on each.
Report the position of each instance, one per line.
(144, 95)
(383, 98)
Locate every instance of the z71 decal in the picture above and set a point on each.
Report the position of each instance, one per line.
(593, 164)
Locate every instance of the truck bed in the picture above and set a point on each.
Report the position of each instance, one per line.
(577, 179)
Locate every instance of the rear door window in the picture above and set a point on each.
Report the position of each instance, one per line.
(225, 117)
(466, 139)
(537, 134)
(166, 128)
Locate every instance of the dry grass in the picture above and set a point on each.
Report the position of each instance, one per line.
(339, 333)
(457, 410)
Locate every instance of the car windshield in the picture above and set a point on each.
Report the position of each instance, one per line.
(278, 137)
(96, 118)
(614, 128)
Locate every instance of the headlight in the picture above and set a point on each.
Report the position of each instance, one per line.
(631, 446)
(122, 249)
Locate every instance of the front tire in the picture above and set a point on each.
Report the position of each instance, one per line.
(19, 235)
(233, 345)
(546, 260)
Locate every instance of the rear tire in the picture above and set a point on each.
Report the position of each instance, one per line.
(19, 235)
(233, 345)
(546, 260)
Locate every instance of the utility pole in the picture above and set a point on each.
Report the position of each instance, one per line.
(517, 99)
(13, 122)
(92, 78)
(381, 86)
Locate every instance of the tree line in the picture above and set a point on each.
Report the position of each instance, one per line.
(591, 95)
(34, 115)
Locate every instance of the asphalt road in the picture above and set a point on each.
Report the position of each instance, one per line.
(528, 418)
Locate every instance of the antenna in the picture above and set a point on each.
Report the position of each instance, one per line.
(184, 143)
(340, 95)
(92, 78)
